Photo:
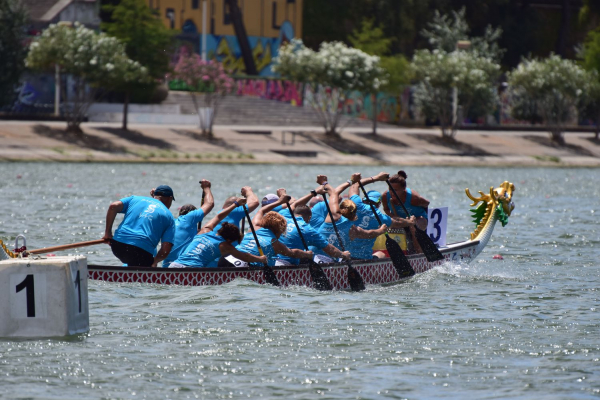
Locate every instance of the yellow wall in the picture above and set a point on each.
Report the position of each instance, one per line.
(258, 15)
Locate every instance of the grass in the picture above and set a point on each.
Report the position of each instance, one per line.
(169, 155)
(59, 150)
(548, 158)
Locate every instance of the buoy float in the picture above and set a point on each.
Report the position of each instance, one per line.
(498, 257)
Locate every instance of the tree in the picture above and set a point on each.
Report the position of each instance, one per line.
(446, 31)
(146, 40)
(12, 49)
(554, 86)
(441, 76)
(331, 73)
(91, 60)
(591, 62)
(208, 78)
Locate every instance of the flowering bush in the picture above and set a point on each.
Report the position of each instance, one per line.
(92, 59)
(334, 71)
(440, 74)
(207, 77)
(554, 87)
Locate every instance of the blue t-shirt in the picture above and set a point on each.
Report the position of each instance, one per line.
(292, 238)
(265, 238)
(326, 230)
(319, 213)
(147, 221)
(203, 249)
(234, 217)
(186, 227)
(417, 211)
(363, 248)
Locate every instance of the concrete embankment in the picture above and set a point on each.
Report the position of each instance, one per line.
(106, 142)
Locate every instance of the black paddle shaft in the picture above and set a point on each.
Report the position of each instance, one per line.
(401, 263)
(354, 279)
(270, 276)
(429, 248)
(316, 272)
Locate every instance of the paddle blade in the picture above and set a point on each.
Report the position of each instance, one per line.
(318, 277)
(401, 263)
(355, 280)
(270, 276)
(429, 248)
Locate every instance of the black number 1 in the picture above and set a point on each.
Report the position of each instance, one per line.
(78, 284)
(27, 284)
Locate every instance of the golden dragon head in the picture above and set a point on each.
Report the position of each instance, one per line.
(498, 199)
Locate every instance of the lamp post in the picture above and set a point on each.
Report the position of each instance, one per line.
(460, 45)
(203, 30)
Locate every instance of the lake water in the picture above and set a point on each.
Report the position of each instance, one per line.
(526, 327)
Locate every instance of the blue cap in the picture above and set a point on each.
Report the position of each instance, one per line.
(164, 190)
(374, 196)
(268, 199)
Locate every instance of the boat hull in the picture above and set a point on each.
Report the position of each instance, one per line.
(374, 272)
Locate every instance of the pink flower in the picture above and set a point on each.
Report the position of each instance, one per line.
(205, 78)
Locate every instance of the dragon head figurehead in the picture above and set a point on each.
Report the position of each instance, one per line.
(497, 204)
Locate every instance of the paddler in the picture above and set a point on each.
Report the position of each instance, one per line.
(270, 226)
(344, 217)
(313, 238)
(412, 201)
(186, 224)
(147, 222)
(209, 245)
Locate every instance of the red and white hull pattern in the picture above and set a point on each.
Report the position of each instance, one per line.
(374, 272)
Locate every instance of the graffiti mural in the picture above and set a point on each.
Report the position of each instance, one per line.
(280, 90)
(359, 105)
(226, 49)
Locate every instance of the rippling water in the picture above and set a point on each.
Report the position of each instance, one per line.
(524, 327)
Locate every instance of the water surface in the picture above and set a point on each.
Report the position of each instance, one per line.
(523, 327)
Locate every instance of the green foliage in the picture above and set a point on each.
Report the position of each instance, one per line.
(478, 213)
(371, 39)
(553, 87)
(399, 73)
(13, 18)
(93, 60)
(146, 39)
(445, 31)
(440, 73)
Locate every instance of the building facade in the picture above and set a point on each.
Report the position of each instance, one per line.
(268, 23)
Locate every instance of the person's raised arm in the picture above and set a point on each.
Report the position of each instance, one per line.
(212, 224)
(114, 208)
(257, 220)
(251, 198)
(334, 199)
(355, 188)
(209, 201)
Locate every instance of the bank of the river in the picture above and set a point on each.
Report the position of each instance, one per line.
(106, 142)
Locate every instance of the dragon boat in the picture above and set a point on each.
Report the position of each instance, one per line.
(489, 208)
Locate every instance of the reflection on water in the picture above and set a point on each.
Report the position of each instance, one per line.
(523, 327)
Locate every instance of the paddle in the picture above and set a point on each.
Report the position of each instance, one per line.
(316, 272)
(354, 279)
(429, 248)
(66, 246)
(401, 263)
(201, 204)
(268, 271)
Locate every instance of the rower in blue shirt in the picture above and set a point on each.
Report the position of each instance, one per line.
(313, 238)
(209, 245)
(147, 222)
(186, 225)
(237, 214)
